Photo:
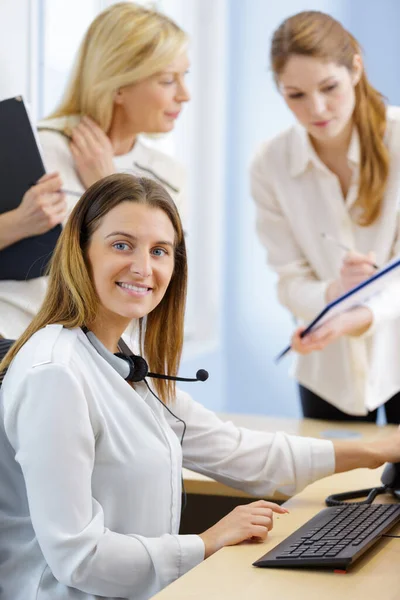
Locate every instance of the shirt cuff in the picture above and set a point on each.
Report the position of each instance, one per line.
(378, 315)
(384, 306)
(192, 552)
(318, 455)
(322, 459)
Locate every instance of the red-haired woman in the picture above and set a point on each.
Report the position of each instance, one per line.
(335, 172)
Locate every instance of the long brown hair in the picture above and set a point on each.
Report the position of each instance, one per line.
(316, 34)
(71, 298)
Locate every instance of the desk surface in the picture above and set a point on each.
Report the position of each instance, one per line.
(195, 483)
(229, 573)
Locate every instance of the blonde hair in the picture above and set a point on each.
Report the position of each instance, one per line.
(316, 34)
(126, 43)
(71, 298)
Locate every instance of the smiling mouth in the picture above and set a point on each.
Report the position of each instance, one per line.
(134, 288)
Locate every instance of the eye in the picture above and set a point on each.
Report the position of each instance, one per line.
(159, 252)
(167, 82)
(121, 246)
(296, 96)
(330, 88)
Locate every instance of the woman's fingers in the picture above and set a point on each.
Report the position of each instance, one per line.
(96, 131)
(262, 521)
(90, 138)
(271, 505)
(48, 185)
(79, 142)
(355, 262)
(48, 177)
(259, 534)
(315, 340)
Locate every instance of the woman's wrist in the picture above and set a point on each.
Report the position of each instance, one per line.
(210, 543)
(11, 228)
(333, 291)
(358, 455)
(357, 321)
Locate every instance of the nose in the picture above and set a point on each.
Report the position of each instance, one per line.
(317, 105)
(141, 264)
(182, 92)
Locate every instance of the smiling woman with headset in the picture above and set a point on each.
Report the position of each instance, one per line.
(90, 454)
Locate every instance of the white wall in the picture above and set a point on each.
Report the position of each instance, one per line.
(15, 43)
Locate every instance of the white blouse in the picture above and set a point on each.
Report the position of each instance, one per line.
(21, 300)
(297, 199)
(91, 468)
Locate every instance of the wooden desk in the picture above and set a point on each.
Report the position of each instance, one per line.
(195, 483)
(229, 573)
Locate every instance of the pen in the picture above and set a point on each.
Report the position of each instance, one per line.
(282, 354)
(288, 348)
(71, 193)
(330, 238)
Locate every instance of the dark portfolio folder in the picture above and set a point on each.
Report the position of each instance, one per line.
(21, 166)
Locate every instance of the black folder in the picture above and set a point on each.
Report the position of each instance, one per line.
(21, 166)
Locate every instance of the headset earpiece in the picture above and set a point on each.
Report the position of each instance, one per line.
(138, 367)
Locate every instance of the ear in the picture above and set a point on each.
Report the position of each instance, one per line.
(358, 68)
(118, 96)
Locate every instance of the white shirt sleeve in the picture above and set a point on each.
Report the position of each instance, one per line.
(385, 306)
(257, 462)
(299, 289)
(49, 423)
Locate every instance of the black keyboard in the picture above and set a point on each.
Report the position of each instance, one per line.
(334, 538)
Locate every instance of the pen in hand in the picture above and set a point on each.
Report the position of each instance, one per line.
(330, 238)
(71, 193)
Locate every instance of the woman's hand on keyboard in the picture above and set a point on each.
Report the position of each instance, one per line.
(245, 522)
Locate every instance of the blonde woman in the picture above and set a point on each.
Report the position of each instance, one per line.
(129, 79)
(335, 172)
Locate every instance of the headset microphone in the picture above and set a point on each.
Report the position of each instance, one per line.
(201, 375)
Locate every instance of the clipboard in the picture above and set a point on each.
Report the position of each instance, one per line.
(354, 297)
(21, 165)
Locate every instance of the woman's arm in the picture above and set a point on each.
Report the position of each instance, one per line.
(262, 463)
(42, 208)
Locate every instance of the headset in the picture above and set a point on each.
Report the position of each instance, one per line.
(132, 367)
